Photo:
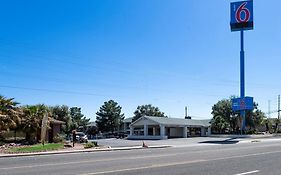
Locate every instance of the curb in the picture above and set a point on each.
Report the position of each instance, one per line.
(81, 151)
(244, 136)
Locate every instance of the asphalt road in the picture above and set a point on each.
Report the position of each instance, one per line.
(210, 158)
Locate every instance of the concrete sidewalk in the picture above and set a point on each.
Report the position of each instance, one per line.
(245, 136)
(81, 151)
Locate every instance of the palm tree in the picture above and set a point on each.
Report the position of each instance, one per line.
(32, 120)
(9, 113)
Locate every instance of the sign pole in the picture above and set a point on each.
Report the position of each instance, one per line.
(242, 66)
(242, 80)
(241, 16)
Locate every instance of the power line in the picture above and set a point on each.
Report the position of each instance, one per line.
(56, 91)
(84, 93)
(89, 68)
(44, 51)
(68, 81)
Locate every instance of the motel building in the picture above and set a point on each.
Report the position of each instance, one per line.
(156, 128)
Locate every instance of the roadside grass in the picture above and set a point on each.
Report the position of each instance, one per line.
(37, 148)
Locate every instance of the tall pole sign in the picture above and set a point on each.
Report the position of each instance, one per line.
(241, 15)
(241, 18)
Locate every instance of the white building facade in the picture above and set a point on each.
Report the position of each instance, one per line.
(163, 128)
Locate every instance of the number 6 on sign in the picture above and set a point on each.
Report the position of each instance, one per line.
(241, 15)
(243, 9)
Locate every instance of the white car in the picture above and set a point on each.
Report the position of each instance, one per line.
(81, 137)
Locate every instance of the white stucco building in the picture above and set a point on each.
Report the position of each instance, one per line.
(163, 128)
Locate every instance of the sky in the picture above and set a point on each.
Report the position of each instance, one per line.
(170, 54)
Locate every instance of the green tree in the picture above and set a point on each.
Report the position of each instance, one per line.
(92, 130)
(9, 113)
(109, 117)
(277, 123)
(62, 113)
(267, 124)
(219, 124)
(78, 119)
(223, 109)
(147, 110)
(72, 117)
(32, 120)
(254, 119)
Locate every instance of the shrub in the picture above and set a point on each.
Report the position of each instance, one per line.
(58, 138)
(250, 132)
(95, 143)
(2, 136)
(90, 145)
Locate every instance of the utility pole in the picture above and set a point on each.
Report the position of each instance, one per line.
(278, 107)
(269, 109)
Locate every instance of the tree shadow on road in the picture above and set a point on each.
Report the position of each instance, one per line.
(227, 141)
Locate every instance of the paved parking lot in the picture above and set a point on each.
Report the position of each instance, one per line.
(178, 142)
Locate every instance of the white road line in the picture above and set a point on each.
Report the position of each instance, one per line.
(238, 148)
(146, 167)
(91, 161)
(183, 163)
(137, 157)
(249, 172)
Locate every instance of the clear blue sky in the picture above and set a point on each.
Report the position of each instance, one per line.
(170, 54)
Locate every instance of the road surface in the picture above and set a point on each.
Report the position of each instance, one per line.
(208, 158)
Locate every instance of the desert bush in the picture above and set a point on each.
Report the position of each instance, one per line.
(59, 138)
(90, 145)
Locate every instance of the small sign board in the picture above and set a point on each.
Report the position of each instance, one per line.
(241, 15)
(243, 103)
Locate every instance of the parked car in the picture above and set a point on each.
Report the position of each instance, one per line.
(81, 137)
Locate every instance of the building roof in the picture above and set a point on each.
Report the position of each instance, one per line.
(92, 124)
(54, 121)
(128, 120)
(177, 121)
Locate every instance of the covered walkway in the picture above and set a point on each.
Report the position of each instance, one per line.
(163, 128)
